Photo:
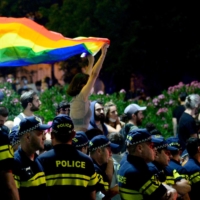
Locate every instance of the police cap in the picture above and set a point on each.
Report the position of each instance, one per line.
(161, 143)
(138, 136)
(100, 141)
(80, 139)
(62, 124)
(29, 124)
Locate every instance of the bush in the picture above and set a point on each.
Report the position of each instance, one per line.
(10, 100)
(159, 109)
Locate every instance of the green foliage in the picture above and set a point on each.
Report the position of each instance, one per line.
(159, 109)
(50, 99)
(10, 100)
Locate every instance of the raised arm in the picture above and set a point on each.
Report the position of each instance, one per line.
(88, 69)
(94, 74)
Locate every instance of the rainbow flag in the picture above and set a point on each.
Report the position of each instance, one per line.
(24, 42)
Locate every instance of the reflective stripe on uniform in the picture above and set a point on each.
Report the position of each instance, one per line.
(176, 174)
(93, 180)
(128, 194)
(17, 181)
(194, 178)
(170, 180)
(150, 186)
(101, 181)
(36, 180)
(6, 151)
(69, 179)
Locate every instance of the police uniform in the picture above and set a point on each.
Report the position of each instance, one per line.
(29, 176)
(69, 173)
(171, 174)
(6, 152)
(193, 170)
(136, 179)
(6, 157)
(96, 142)
(173, 164)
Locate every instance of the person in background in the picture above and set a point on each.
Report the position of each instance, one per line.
(9, 124)
(30, 103)
(7, 184)
(187, 125)
(100, 152)
(80, 89)
(93, 132)
(81, 142)
(112, 120)
(14, 137)
(134, 114)
(161, 162)
(146, 185)
(63, 108)
(118, 139)
(3, 118)
(178, 111)
(193, 166)
(98, 118)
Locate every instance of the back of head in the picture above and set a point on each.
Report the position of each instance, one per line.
(192, 101)
(62, 128)
(77, 84)
(4, 111)
(27, 97)
(183, 96)
(93, 132)
(151, 128)
(116, 138)
(192, 146)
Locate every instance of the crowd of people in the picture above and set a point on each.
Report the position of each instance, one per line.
(89, 152)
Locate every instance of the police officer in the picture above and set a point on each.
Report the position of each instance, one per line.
(7, 183)
(173, 178)
(193, 166)
(81, 142)
(28, 174)
(136, 179)
(14, 137)
(69, 173)
(175, 156)
(100, 152)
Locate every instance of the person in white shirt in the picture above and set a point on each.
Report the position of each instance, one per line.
(30, 103)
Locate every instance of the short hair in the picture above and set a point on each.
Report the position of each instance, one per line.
(183, 96)
(99, 102)
(151, 128)
(48, 145)
(63, 104)
(93, 132)
(4, 111)
(107, 110)
(27, 97)
(192, 145)
(132, 148)
(192, 101)
(77, 84)
(63, 138)
(116, 138)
